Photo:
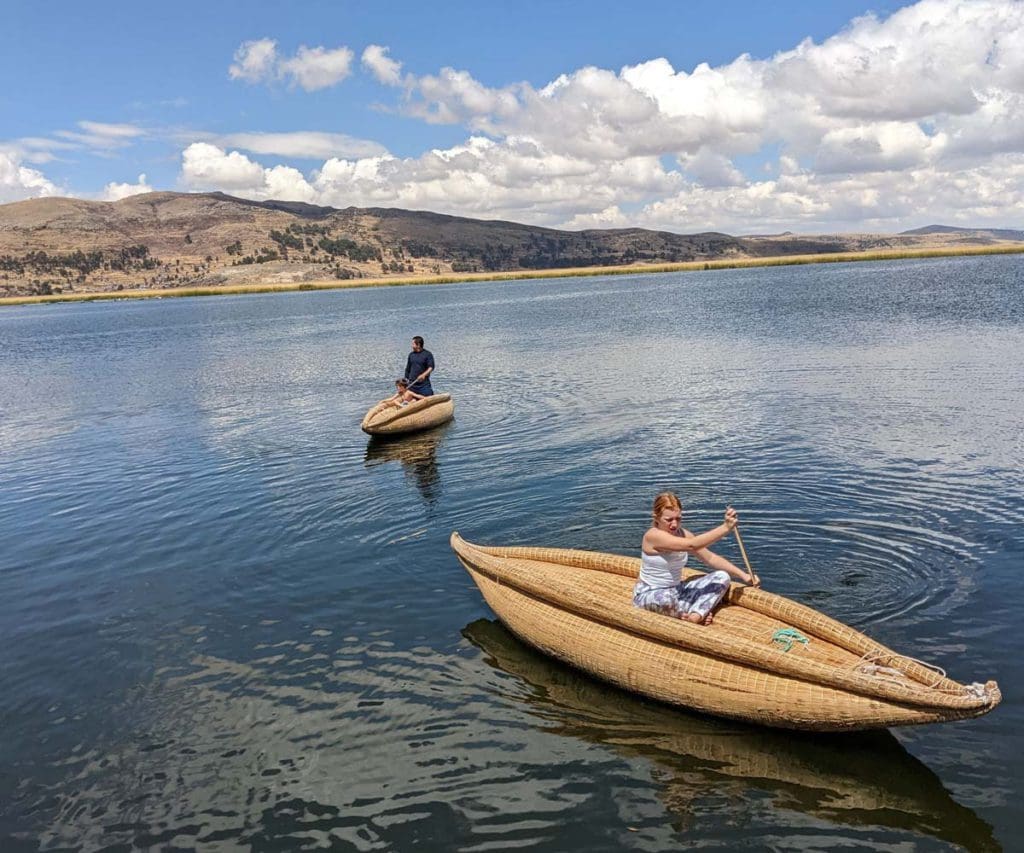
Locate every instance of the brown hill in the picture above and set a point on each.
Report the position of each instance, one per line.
(168, 240)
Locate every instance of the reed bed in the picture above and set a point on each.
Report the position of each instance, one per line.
(520, 275)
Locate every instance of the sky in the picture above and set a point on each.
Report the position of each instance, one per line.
(676, 115)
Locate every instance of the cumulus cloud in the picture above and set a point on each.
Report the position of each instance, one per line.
(316, 68)
(115, 192)
(207, 167)
(482, 177)
(610, 217)
(382, 66)
(991, 194)
(311, 68)
(711, 169)
(19, 182)
(255, 61)
(889, 119)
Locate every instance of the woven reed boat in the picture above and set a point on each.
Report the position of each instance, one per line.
(577, 607)
(388, 419)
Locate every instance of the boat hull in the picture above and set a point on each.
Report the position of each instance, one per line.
(665, 669)
(386, 419)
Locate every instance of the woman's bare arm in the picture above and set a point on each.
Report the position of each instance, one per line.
(662, 540)
(716, 562)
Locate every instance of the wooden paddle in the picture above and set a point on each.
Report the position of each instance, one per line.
(739, 541)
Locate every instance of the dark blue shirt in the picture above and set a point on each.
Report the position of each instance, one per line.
(414, 366)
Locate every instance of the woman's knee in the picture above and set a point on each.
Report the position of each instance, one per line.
(720, 577)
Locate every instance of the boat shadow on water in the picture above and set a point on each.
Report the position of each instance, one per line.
(416, 453)
(864, 779)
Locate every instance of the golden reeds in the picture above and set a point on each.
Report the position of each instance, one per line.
(519, 275)
(575, 605)
(385, 418)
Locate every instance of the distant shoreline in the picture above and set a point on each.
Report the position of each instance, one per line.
(518, 275)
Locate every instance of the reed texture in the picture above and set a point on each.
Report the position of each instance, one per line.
(576, 606)
(386, 418)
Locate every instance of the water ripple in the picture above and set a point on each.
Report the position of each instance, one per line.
(231, 620)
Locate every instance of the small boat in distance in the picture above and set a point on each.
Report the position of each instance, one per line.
(388, 419)
(577, 606)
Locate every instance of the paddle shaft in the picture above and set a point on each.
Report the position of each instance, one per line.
(743, 551)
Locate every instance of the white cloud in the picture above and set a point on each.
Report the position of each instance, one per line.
(302, 143)
(511, 179)
(988, 195)
(711, 169)
(311, 68)
(316, 68)
(927, 59)
(920, 113)
(884, 146)
(255, 61)
(111, 131)
(383, 67)
(115, 192)
(610, 217)
(287, 184)
(35, 149)
(19, 182)
(207, 167)
(101, 136)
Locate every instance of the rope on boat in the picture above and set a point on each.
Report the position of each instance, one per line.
(978, 691)
(874, 662)
(786, 637)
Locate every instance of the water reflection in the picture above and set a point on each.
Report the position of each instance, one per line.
(417, 455)
(856, 780)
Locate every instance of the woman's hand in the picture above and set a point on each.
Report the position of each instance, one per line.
(751, 580)
(731, 519)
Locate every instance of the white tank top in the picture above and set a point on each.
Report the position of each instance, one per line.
(660, 571)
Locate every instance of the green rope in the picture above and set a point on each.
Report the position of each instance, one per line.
(787, 636)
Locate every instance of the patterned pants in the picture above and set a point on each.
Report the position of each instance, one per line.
(697, 595)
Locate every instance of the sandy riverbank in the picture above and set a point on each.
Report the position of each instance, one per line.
(402, 280)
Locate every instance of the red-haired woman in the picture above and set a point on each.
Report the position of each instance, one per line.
(665, 549)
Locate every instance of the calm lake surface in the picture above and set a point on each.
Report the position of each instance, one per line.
(230, 621)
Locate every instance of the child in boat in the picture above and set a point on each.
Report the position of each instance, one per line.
(403, 396)
(663, 554)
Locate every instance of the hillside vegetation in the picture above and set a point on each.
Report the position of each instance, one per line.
(186, 240)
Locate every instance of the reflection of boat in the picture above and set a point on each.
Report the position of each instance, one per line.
(417, 455)
(576, 606)
(388, 419)
(865, 779)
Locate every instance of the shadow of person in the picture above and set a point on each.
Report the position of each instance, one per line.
(417, 455)
(866, 779)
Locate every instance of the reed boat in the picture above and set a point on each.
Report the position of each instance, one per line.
(388, 419)
(577, 607)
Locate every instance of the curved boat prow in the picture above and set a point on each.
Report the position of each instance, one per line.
(576, 606)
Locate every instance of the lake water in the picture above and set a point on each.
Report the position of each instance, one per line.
(230, 621)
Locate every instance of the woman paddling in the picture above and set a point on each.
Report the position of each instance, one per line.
(664, 552)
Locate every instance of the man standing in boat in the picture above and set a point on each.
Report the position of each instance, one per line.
(418, 368)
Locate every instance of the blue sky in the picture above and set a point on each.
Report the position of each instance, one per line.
(687, 116)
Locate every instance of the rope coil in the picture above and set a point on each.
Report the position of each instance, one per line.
(786, 637)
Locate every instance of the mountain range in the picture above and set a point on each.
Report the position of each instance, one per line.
(166, 240)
